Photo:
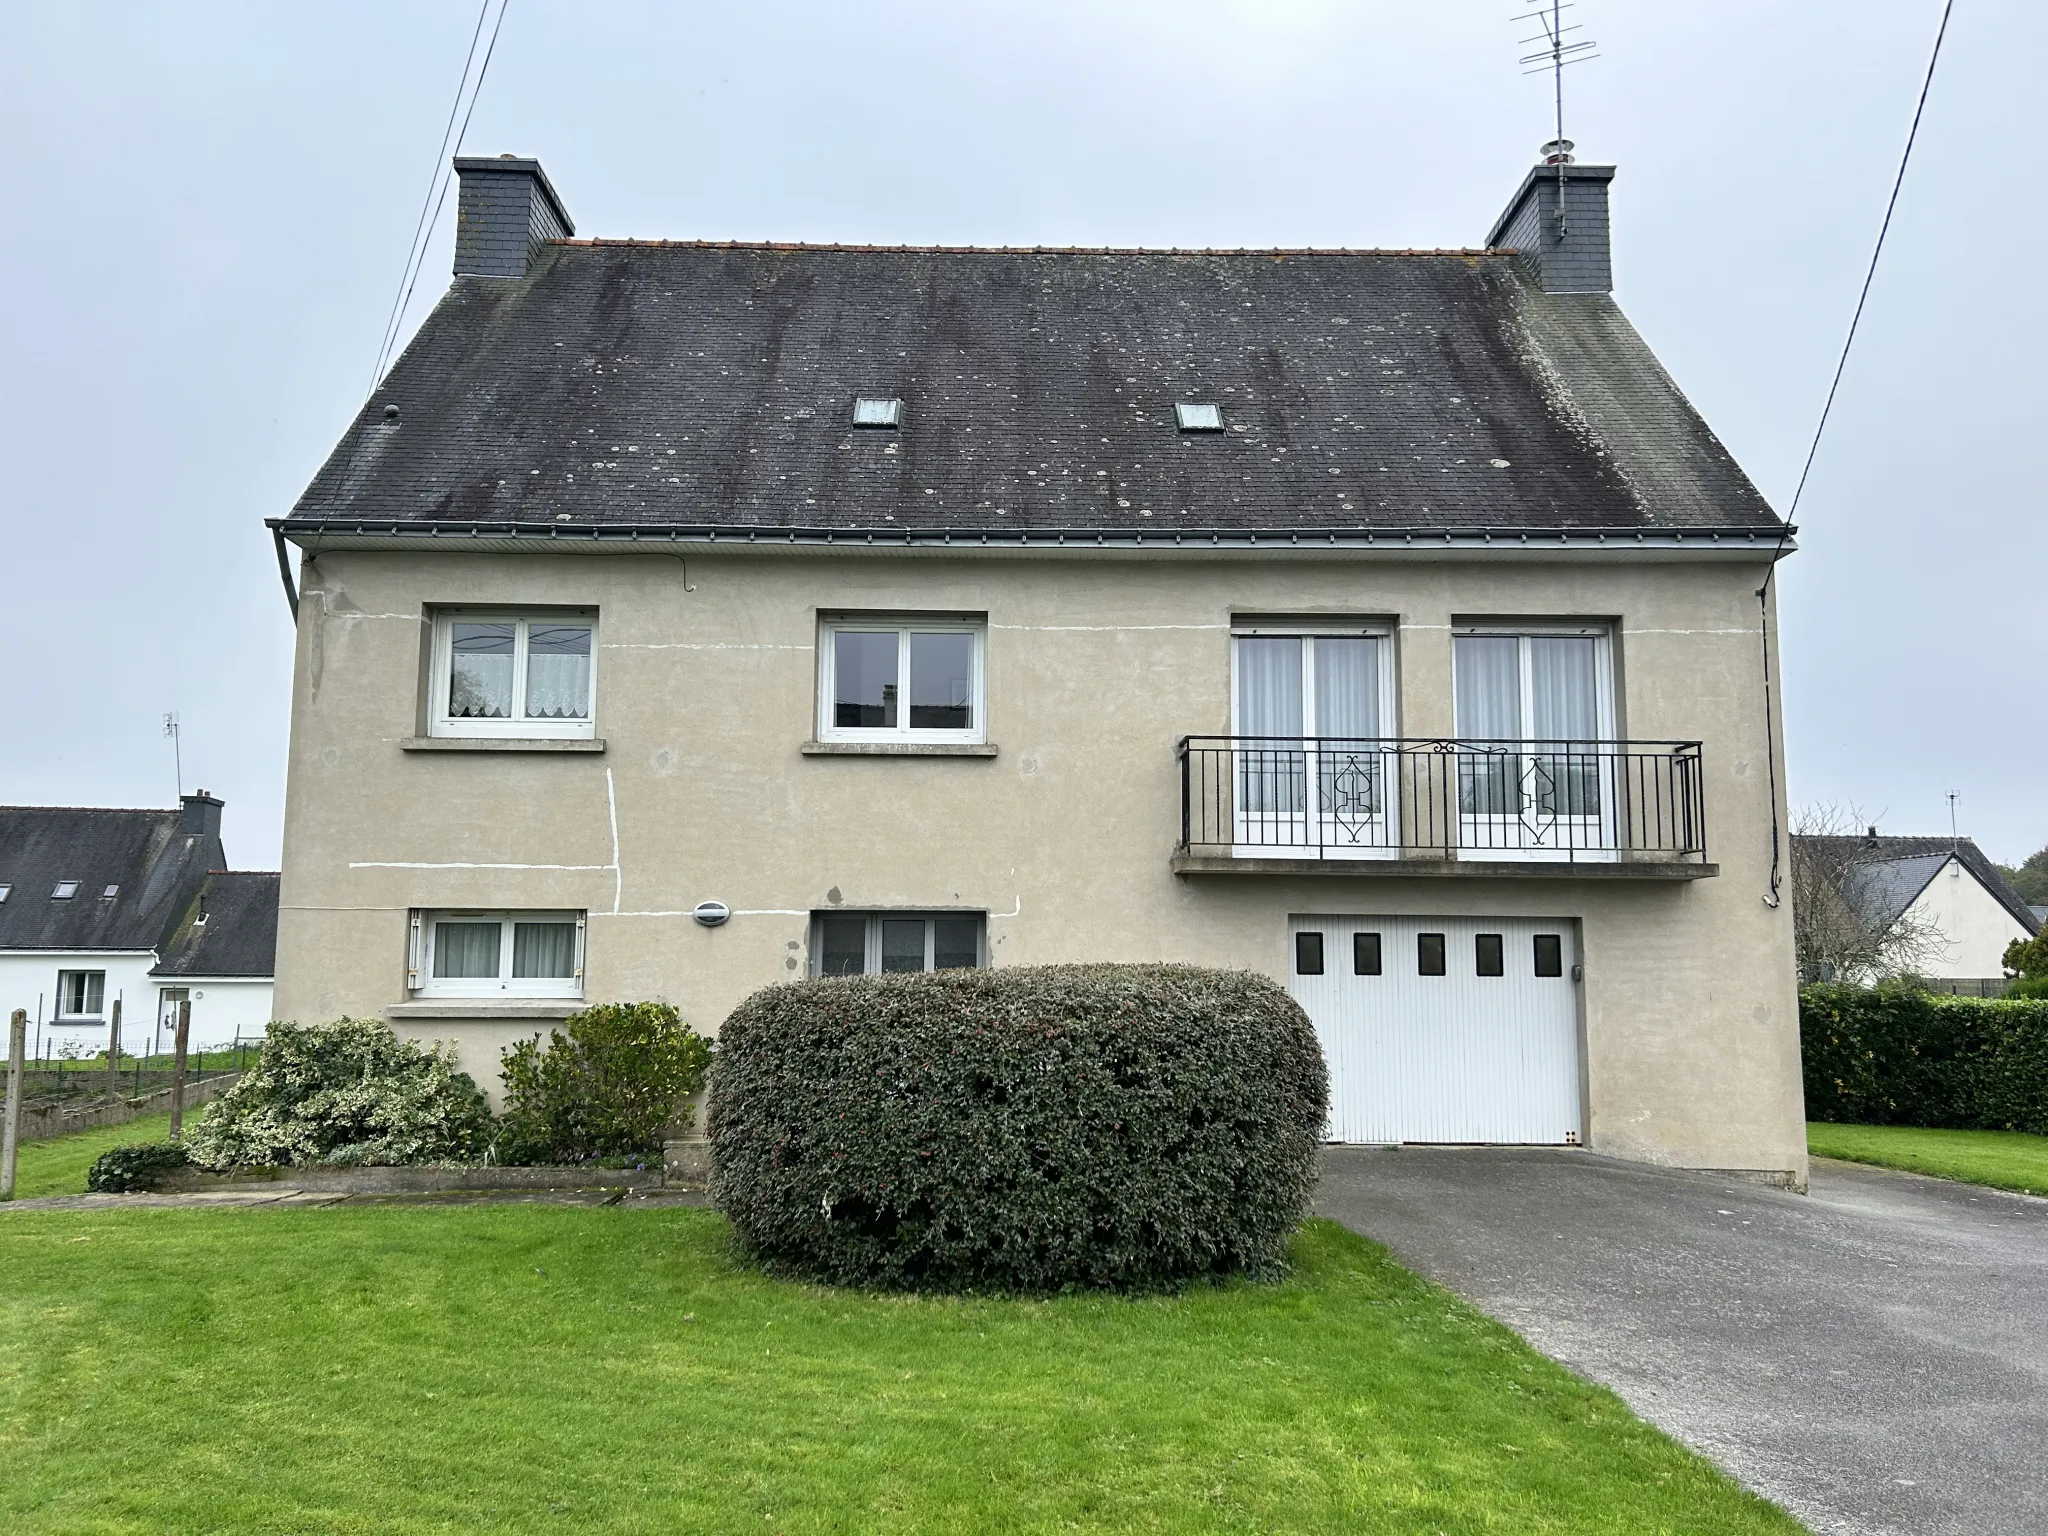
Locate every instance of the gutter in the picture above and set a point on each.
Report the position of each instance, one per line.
(313, 534)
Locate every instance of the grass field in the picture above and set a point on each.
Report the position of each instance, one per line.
(2001, 1159)
(57, 1166)
(550, 1368)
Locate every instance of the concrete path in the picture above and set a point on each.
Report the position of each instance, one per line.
(1873, 1356)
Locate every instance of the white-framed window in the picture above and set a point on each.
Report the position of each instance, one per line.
(879, 943)
(1312, 710)
(1535, 714)
(887, 679)
(472, 953)
(511, 673)
(81, 994)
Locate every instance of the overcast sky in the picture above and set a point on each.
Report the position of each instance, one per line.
(209, 206)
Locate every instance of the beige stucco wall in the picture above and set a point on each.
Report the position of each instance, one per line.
(706, 690)
(1973, 929)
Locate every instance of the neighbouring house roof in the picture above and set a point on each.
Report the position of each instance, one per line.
(228, 929)
(155, 866)
(1889, 873)
(626, 385)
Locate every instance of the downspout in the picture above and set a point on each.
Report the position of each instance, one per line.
(284, 572)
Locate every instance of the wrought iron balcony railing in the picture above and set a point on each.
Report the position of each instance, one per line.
(1325, 797)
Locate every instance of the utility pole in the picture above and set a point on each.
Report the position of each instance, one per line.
(178, 1068)
(114, 1054)
(10, 1133)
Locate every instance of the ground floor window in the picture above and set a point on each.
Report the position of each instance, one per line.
(876, 943)
(497, 954)
(81, 994)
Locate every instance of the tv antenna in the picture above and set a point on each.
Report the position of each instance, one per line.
(1559, 49)
(177, 749)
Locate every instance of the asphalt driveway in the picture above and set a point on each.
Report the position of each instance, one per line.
(1873, 1356)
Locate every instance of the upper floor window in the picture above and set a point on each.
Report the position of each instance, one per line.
(497, 954)
(885, 679)
(514, 674)
(1534, 684)
(81, 994)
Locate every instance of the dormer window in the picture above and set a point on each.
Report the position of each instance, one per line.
(66, 889)
(1196, 416)
(878, 411)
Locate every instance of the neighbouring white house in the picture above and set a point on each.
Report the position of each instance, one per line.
(1943, 888)
(135, 907)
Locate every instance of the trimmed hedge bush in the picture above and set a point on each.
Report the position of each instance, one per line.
(121, 1170)
(346, 1092)
(612, 1078)
(1894, 1056)
(1126, 1126)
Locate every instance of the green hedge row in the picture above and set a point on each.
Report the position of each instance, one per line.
(1029, 1129)
(1891, 1056)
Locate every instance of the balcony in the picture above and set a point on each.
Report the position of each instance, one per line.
(1441, 806)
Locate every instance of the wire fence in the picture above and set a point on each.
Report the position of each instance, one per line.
(55, 1078)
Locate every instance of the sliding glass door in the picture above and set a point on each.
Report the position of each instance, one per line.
(1533, 712)
(1312, 774)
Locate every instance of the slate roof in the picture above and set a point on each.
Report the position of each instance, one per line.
(228, 929)
(628, 385)
(1890, 872)
(156, 867)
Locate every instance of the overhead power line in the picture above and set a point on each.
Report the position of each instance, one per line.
(437, 184)
(1763, 593)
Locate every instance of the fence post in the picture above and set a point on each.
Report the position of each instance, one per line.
(114, 1053)
(10, 1133)
(178, 1068)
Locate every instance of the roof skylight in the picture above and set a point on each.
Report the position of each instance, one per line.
(877, 411)
(1198, 416)
(6, 891)
(110, 893)
(66, 889)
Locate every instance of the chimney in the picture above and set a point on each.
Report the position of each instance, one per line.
(504, 213)
(1557, 220)
(199, 815)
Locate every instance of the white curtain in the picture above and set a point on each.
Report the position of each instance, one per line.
(544, 950)
(557, 672)
(1269, 704)
(1348, 686)
(1565, 702)
(1488, 690)
(466, 950)
(1348, 706)
(480, 672)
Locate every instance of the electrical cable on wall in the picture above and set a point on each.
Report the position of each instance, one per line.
(1763, 593)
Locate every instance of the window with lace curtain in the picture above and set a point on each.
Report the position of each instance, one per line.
(496, 954)
(514, 674)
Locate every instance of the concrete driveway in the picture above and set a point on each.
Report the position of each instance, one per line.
(1873, 1356)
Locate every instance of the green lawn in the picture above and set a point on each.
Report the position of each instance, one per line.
(57, 1166)
(2001, 1159)
(551, 1368)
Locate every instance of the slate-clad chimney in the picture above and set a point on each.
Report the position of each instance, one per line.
(199, 815)
(506, 211)
(1568, 255)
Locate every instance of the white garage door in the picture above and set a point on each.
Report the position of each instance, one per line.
(1444, 1029)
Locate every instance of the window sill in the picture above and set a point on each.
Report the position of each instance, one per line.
(501, 744)
(898, 749)
(487, 1008)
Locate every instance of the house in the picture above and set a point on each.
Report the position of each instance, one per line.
(135, 906)
(1948, 910)
(679, 617)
